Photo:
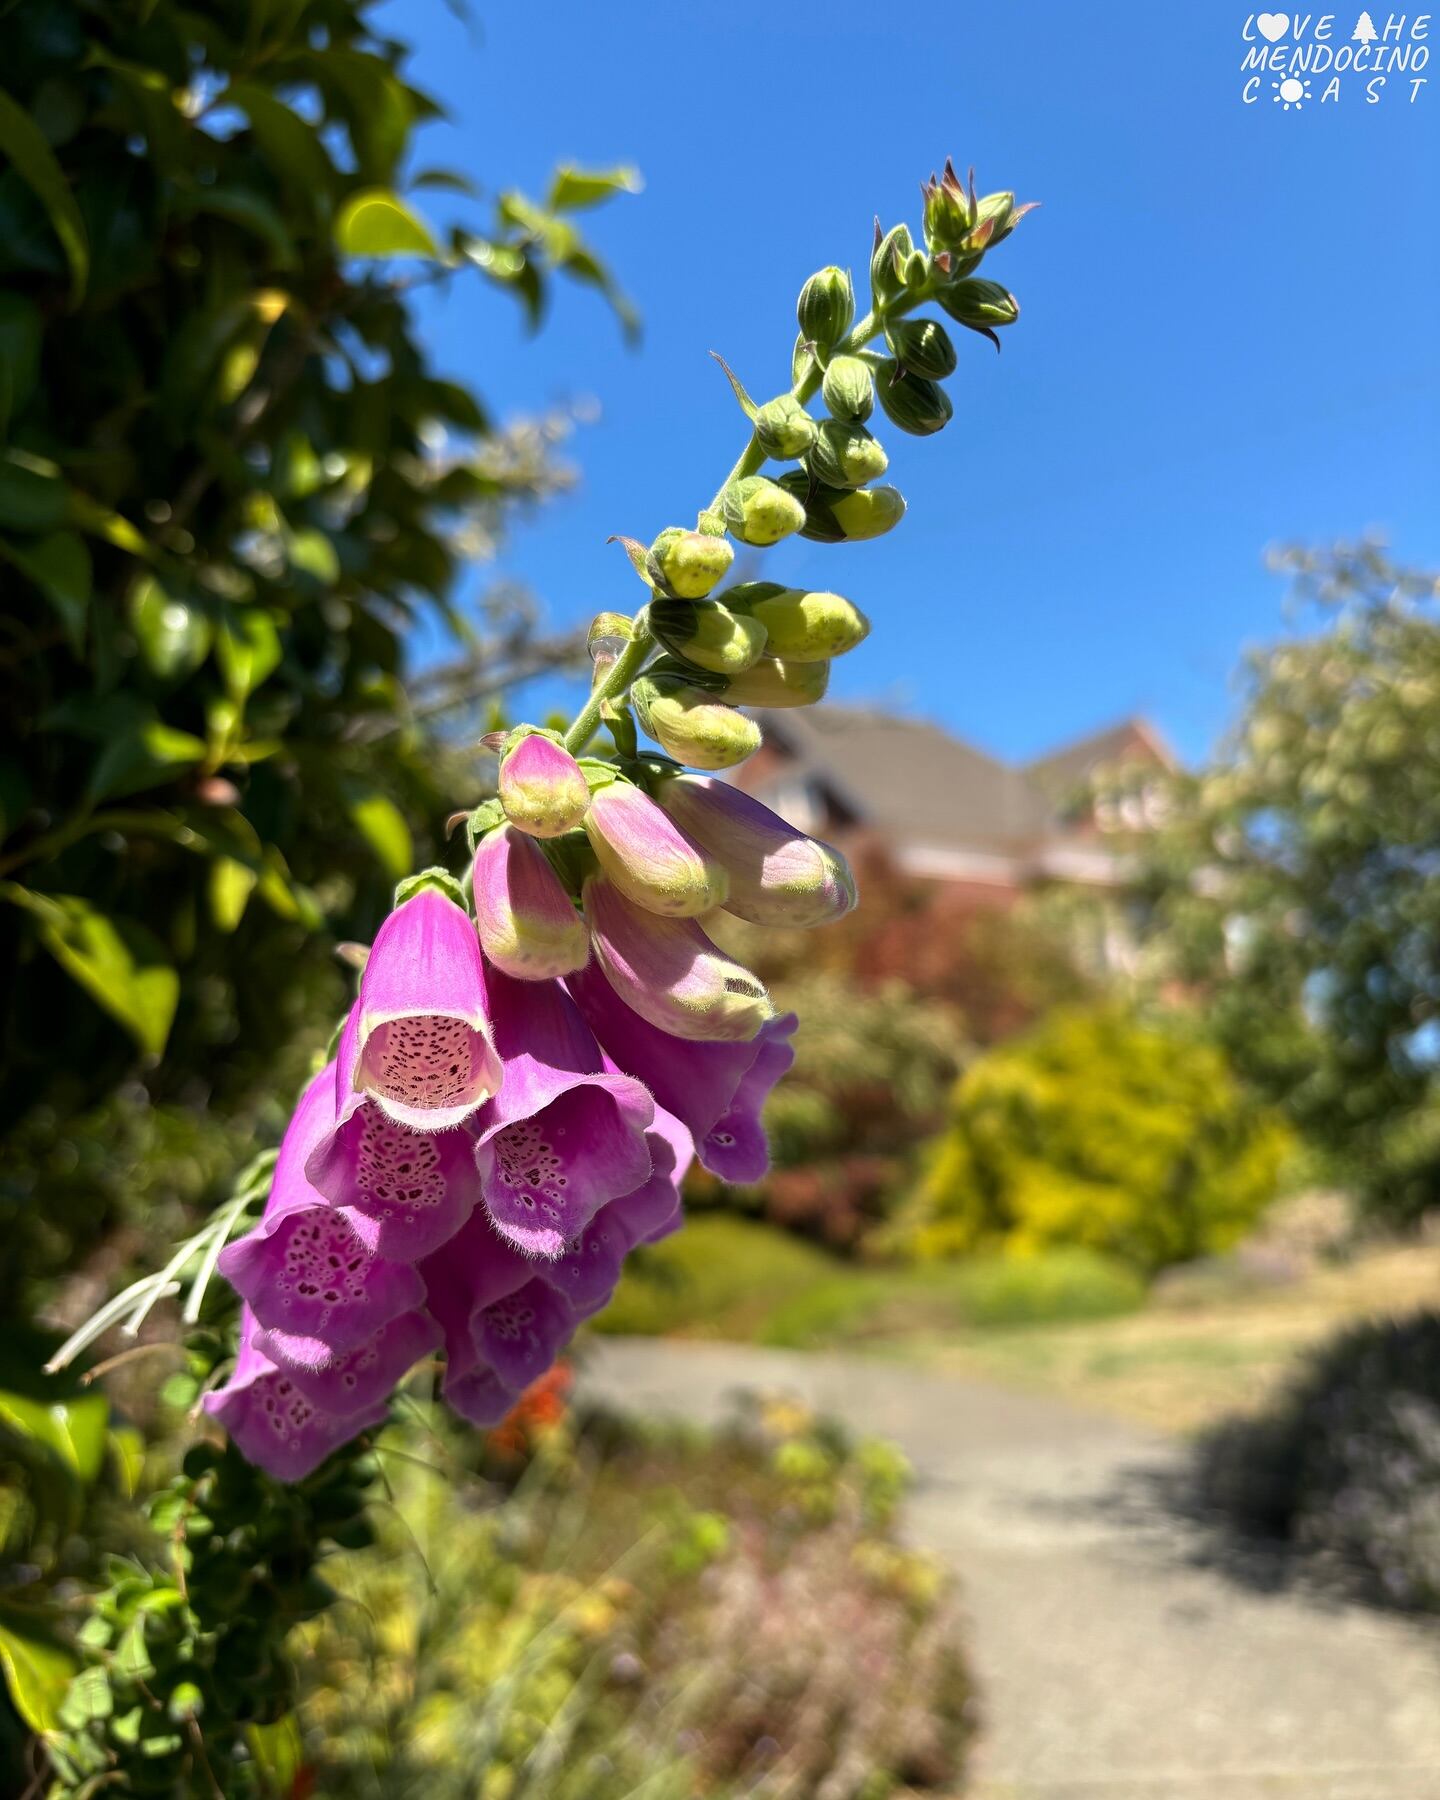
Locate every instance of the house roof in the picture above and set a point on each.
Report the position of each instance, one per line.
(1062, 773)
(914, 783)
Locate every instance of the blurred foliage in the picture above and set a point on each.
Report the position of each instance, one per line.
(1346, 1465)
(1100, 1130)
(230, 484)
(649, 1611)
(1293, 887)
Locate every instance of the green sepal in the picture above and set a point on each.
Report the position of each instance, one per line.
(440, 879)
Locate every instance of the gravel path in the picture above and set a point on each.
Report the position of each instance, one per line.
(1115, 1660)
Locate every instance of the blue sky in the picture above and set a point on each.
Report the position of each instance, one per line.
(1228, 332)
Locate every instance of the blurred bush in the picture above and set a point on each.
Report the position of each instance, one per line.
(651, 1611)
(1346, 1465)
(231, 484)
(1098, 1130)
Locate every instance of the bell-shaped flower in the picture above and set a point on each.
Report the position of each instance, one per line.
(778, 875)
(304, 1272)
(519, 1336)
(274, 1423)
(648, 857)
(363, 1376)
(542, 787)
(670, 972)
(417, 1041)
(528, 924)
(710, 1087)
(564, 1134)
(480, 1396)
(401, 1192)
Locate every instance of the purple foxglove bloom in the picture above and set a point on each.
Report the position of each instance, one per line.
(711, 1088)
(648, 857)
(417, 1041)
(564, 1134)
(361, 1377)
(303, 1270)
(475, 1268)
(670, 972)
(778, 875)
(480, 1396)
(542, 787)
(401, 1192)
(275, 1425)
(528, 925)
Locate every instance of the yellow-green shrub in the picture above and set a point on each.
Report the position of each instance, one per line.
(1097, 1129)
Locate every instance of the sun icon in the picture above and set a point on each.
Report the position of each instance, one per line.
(1291, 92)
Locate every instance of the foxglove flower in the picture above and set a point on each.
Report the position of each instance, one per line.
(716, 1090)
(275, 1424)
(417, 1041)
(778, 875)
(304, 1272)
(528, 925)
(356, 1381)
(648, 857)
(564, 1134)
(670, 972)
(542, 787)
(401, 1192)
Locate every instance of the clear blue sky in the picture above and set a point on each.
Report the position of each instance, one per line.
(1228, 335)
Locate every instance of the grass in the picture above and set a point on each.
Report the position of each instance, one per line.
(1068, 1324)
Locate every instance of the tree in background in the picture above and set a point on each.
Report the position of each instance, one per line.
(1294, 884)
(230, 484)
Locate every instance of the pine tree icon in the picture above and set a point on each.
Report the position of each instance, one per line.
(1364, 30)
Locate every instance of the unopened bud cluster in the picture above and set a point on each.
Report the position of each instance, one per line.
(536, 1055)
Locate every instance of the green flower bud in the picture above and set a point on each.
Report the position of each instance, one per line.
(923, 346)
(887, 265)
(949, 214)
(707, 634)
(826, 307)
(691, 725)
(914, 404)
(760, 512)
(832, 516)
(691, 561)
(847, 389)
(800, 627)
(784, 429)
(997, 212)
(845, 455)
(982, 305)
(771, 682)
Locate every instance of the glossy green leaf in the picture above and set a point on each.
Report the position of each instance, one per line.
(34, 161)
(231, 885)
(89, 1698)
(127, 1454)
(32, 496)
(173, 636)
(574, 189)
(37, 1666)
(144, 755)
(252, 213)
(118, 963)
(382, 825)
(73, 1429)
(59, 565)
(248, 649)
(313, 554)
(292, 146)
(376, 223)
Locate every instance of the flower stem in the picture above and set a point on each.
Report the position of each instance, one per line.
(622, 672)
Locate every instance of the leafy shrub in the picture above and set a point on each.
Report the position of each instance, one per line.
(1101, 1131)
(1052, 1285)
(1346, 1466)
(594, 1634)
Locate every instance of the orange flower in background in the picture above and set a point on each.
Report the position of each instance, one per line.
(540, 1407)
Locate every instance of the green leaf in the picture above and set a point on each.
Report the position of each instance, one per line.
(32, 498)
(231, 885)
(380, 822)
(127, 1452)
(375, 223)
(248, 649)
(574, 189)
(174, 636)
(118, 963)
(144, 755)
(72, 1430)
(313, 554)
(292, 147)
(34, 162)
(19, 354)
(59, 565)
(451, 180)
(37, 1667)
(88, 1700)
